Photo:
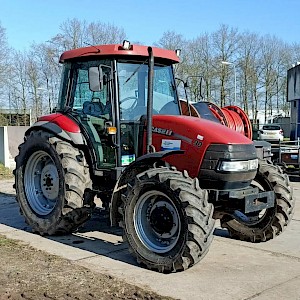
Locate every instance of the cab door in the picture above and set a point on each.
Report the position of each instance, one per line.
(94, 112)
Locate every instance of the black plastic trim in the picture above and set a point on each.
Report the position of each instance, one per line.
(211, 178)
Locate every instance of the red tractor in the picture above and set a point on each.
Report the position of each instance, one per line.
(118, 134)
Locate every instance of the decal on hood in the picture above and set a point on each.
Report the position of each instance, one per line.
(170, 145)
(163, 131)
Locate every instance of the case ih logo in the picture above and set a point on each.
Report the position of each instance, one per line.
(162, 131)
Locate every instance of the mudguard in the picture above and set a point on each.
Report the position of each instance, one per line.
(61, 126)
(141, 164)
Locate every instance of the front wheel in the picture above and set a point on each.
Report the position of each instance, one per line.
(167, 220)
(264, 225)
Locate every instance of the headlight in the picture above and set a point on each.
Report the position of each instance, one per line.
(238, 166)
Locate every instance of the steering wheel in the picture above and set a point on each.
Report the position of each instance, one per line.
(132, 106)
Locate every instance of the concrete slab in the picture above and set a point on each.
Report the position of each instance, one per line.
(231, 270)
(287, 290)
(287, 243)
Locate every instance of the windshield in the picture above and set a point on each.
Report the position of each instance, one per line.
(133, 89)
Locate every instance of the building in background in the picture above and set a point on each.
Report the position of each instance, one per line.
(293, 96)
(13, 117)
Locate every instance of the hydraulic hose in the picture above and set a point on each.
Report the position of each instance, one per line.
(231, 116)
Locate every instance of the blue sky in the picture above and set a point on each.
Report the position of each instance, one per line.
(28, 21)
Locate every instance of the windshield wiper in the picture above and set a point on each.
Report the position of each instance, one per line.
(135, 71)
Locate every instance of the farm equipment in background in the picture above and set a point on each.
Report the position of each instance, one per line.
(287, 155)
(119, 133)
(231, 116)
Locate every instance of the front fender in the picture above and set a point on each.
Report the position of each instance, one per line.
(141, 164)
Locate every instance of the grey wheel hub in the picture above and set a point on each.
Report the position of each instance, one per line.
(157, 222)
(163, 219)
(49, 181)
(41, 182)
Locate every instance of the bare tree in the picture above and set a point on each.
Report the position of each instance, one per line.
(4, 55)
(102, 33)
(46, 58)
(4, 69)
(75, 33)
(225, 43)
(248, 54)
(282, 64)
(202, 61)
(173, 41)
(294, 53)
(34, 83)
(268, 61)
(19, 86)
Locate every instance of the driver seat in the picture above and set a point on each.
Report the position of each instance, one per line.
(93, 108)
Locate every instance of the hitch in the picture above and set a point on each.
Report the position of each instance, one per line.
(253, 199)
(246, 200)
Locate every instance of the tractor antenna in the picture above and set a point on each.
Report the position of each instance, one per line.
(98, 50)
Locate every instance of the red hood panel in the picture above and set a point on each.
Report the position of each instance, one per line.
(193, 135)
(191, 127)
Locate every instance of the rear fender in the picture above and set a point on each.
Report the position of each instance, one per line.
(141, 164)
(73, 137)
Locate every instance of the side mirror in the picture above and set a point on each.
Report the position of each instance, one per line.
(95, 79)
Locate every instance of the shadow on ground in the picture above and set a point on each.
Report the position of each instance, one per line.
(95, 236)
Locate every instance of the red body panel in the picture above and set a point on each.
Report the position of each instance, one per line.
(117, 50)
(195, 135)
(62, 121)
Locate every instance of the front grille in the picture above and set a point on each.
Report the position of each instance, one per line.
(210, 178)
(217, 152)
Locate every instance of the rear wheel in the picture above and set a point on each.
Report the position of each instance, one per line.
(167, 220)
(52, 184)
(264, 225)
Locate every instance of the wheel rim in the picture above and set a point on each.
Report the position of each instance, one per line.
(157, 222)
(41, 183)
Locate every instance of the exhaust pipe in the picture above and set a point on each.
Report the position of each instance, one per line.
(150, 147)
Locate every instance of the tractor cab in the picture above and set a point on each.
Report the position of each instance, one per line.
(108, 97)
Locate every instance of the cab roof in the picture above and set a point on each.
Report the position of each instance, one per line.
(116, 50)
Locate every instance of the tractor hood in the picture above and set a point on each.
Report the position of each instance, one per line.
(195, 136)
(199, 129)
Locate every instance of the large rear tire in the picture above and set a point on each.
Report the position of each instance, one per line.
(52, 184)
(264, 225)
(167, 220)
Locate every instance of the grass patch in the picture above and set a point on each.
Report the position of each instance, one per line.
(4, 242)
(5, 172)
